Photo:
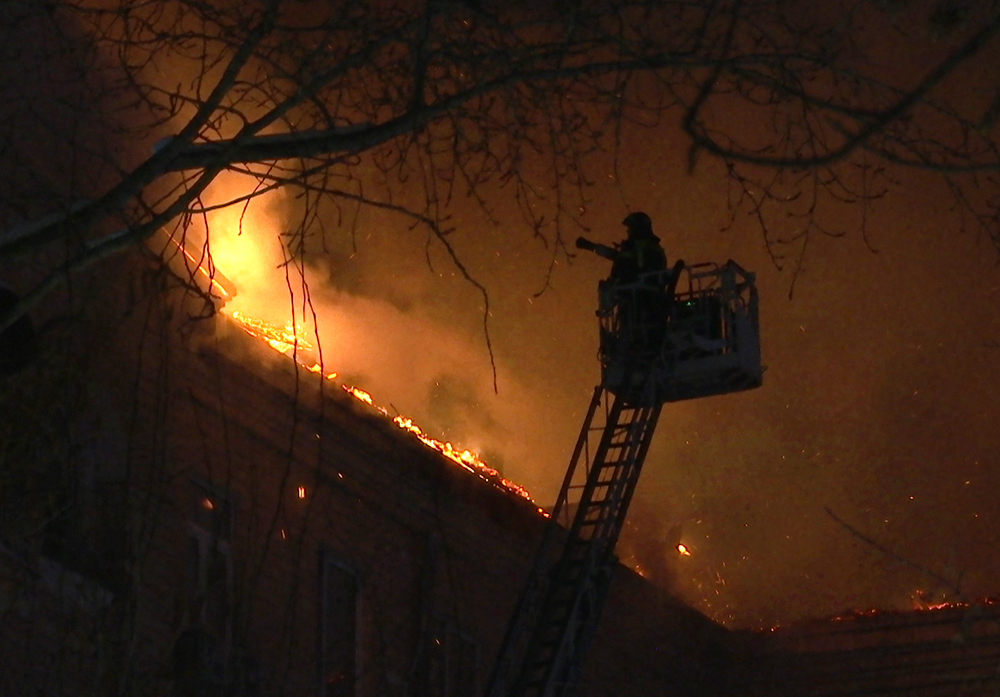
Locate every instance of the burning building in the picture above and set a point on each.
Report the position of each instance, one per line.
(187, 510)
(192, 513)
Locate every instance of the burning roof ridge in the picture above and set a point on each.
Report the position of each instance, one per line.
(877, 617)
(286, 341)
(465, 459)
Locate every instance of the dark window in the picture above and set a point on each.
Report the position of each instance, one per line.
(87, 513)
(202, 649)
(212, 512)
(111, 533)
(208, 579)
(338, 629)
(453, 656)
(209, 567)
(18, 344)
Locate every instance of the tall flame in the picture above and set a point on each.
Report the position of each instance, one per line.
(291, 339)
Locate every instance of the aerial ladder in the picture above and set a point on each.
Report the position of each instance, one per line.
(671, 335)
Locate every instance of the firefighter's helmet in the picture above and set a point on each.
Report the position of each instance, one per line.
(638, 224)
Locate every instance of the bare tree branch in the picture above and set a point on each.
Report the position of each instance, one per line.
(459, 100)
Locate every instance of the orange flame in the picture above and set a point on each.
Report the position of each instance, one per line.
(291, 341)
(199, 266)
(284, 340)
(466, 458)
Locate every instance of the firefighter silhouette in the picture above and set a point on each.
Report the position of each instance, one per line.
(642, 298)
(639, 253)
(642, 293)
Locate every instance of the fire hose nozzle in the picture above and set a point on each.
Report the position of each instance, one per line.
(600, 250)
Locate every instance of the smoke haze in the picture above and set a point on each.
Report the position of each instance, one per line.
(879, 400)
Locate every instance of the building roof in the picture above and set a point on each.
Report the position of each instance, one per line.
(948, 650)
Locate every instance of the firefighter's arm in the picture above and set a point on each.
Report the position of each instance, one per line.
(600, 250)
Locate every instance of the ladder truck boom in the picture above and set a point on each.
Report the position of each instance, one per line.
(703, 341)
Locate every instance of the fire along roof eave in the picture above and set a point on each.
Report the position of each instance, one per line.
(874, 626)
(319, 395)
(468, 486)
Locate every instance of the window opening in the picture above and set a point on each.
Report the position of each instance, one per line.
(338, 630)
(453, 661)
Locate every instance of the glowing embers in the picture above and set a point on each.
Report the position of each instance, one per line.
(284, 340)
(466, 458)
(363, 396)
(683, 550)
